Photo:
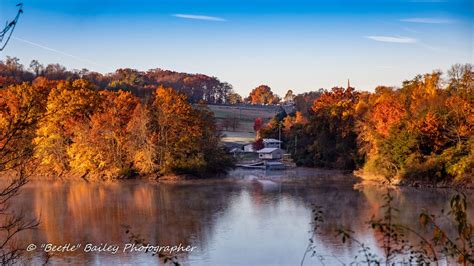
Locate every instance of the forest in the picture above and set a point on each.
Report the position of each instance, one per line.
(422, 131)
(132, 122)
(196, 87)
(67, 127)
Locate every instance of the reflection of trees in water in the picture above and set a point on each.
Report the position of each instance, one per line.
(409, 202)
(346, 207)
(94, 213)
(189, 213)
(342, 206)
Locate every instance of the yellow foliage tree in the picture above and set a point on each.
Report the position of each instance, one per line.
(178, 133)
(68, 104)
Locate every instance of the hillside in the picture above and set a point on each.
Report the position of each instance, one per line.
(236, 121)
(196, 87)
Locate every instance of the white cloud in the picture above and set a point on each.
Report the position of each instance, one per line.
(428, 20)
(392, 39)
(198, 17)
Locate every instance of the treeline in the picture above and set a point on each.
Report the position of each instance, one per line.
(197, 87)
(421, 131)
(68, 127)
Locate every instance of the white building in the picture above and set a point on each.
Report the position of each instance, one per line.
(248, 147)
(267, 143)
(270, 153)
(271, 143)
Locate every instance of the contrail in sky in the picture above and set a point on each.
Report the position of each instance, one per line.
(198, 17)
(59, 52)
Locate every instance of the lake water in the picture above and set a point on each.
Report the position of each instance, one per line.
(236, 221)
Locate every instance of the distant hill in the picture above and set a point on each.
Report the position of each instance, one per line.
(197, 87)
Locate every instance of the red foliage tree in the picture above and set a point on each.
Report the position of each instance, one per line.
(258, 144)
(257, 124)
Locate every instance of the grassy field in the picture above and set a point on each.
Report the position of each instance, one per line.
(245, 117)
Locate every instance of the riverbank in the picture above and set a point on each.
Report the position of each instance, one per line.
(309, 176)
(369, 177)
(298, 174)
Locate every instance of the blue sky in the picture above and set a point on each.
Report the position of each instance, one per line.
(301, 45)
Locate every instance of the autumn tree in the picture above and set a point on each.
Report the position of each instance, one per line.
(99, 143)
(12, 68)
(377, 114)
(422, 131)
(327, 136)
(258, 144)
(196, 87)
(234, 98)
(176, 131)
(84, 122)
(291, 121)
(142, 148)
(304, 101)
(69, 104)
(295, 138)
(217, 160)
(21, 107)
(184, 136)
(257, 124)
(262, 95)
(272, 129)
(332, 127)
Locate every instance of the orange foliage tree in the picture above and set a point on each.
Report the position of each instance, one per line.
(69, 104)
(99, 143)
(262, 95)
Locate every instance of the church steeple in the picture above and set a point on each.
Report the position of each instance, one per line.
(348, 83)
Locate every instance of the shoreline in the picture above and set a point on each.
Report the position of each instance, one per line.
(369, 177)
(294, 175)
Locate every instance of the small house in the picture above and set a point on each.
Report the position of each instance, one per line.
(232, 145)
(248, 147)
(270, 154)
(271, 143)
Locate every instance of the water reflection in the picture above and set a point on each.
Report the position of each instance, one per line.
(242, 220)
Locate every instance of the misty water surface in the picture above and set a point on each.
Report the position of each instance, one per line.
(238, 220)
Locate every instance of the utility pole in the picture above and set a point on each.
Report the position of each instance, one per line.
(296, 142)
(279, 135)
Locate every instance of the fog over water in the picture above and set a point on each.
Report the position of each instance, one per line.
(238, 220)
